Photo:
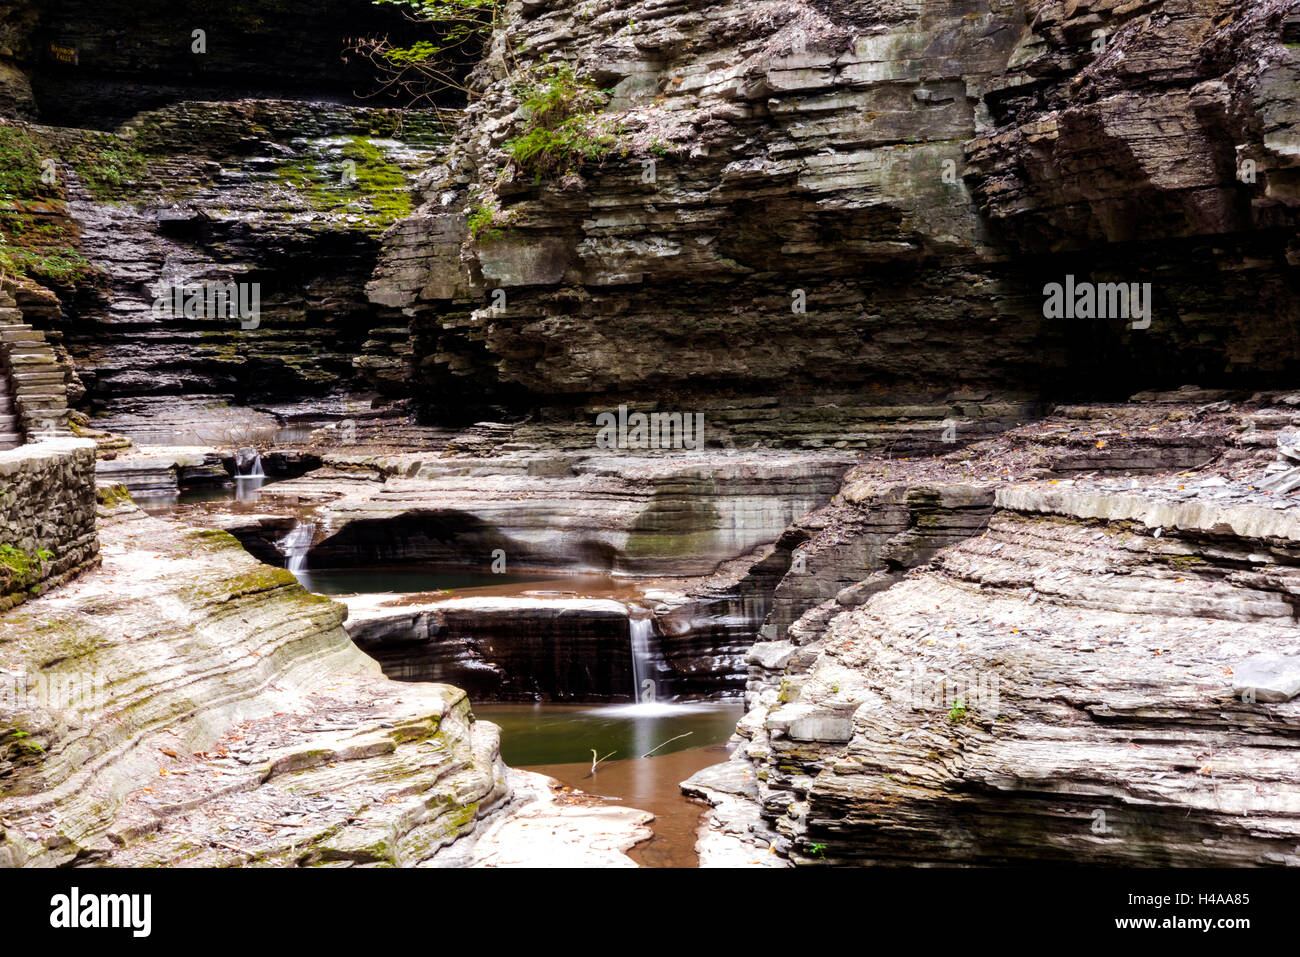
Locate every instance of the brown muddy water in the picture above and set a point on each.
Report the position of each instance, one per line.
(557, 740)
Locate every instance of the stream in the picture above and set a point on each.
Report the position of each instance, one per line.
(646, 748)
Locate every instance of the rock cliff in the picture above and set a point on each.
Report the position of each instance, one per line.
(1101, 669)
(830, 216)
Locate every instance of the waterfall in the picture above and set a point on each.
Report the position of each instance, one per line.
(249, 475)
(254, 468)
(295, 545)
(639, 632)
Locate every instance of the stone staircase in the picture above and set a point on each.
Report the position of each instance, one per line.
(33, 394)
(11, 435)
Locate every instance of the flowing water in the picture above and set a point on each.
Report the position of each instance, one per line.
(254, 469)
(650, 752)
(646, 749)
(640, 631)
(295, 545)
(247, 487)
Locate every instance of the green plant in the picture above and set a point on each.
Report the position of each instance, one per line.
(563, 127)
(378, 187)
(957, 713)
(22, 570)
(479, 219)
(818, 851)
(20, 166)
(57, 265)
(106, 171)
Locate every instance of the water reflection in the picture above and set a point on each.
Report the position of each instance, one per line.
(680, 739)
(247, 487)
(547, 733)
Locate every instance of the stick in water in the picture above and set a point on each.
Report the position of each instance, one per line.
(665, 744)
(595, 760)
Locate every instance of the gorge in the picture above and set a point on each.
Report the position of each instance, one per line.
(650, 432)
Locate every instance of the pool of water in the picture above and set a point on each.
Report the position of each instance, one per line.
(647, 752)
(243, 489)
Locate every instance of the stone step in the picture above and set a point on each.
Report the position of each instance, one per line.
(10, 439)
(26, 380)
(19, 334)
(8, 422)
(44, 401)
(31, 353)
(33, 340)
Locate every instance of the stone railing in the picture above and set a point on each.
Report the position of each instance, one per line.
(47, 516)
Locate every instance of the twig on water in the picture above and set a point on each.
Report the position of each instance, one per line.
(665, 744)
(595, 760)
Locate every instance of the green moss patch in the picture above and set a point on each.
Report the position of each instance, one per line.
(379, 192)
(20, 570)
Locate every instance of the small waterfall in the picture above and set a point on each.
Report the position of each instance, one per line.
(249, 475)
(640, 631)
(295, 545)
(254, 468)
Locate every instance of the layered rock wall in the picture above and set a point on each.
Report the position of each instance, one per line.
(912, 175)
(1098, 669)
(185, 704)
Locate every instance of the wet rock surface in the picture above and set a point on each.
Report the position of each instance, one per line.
(555, 649)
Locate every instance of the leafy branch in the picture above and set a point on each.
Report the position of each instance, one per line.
(426, 69)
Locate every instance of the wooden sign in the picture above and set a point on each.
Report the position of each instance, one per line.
(63, 54)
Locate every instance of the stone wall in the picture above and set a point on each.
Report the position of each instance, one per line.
(47, 514)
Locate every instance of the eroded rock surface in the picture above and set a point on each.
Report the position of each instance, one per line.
(1061, 685)
(185, 704)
